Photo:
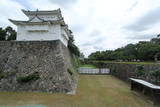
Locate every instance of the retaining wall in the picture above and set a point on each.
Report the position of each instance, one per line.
(50, 60)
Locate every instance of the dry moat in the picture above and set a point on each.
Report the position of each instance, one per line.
(92, 91)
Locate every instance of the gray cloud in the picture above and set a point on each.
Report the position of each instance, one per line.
(96, 36)
(63, 2)
(87, 44)
(145, 22)
(93, 42)
(141, 37)
(98, 47)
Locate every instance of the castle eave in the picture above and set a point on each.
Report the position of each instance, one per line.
(16, 22)
(41, 12)
(28, 13)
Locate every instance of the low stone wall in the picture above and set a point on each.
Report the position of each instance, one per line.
(126, 71)
(36, 66)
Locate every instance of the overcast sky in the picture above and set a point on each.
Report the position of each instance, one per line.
(97, 24)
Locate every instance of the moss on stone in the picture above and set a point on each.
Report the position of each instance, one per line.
(31, 77)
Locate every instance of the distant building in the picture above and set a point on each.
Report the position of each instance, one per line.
(43, 26)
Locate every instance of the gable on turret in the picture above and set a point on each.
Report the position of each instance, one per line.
(36, 19)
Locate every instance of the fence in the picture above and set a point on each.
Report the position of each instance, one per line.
(94, 71)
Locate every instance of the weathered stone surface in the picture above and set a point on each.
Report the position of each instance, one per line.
(126, 71)
(50, 59)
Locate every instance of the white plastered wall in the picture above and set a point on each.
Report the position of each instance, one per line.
(64, 37)
(38, 32)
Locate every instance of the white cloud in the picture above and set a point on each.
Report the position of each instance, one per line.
(10, 9)
(97, 24)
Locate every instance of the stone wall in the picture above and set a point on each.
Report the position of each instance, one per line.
(50, 60)
(126, 71)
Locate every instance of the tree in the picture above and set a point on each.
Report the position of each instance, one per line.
(144, 51)
(130, 52)
(7, 34)
(2, 34)
(10, 33)
(147, 51)
(156, 41)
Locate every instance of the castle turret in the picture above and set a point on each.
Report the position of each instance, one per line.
(43, 26)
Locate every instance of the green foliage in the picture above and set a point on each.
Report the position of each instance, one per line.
(99, 64)
(2, 34)
(143, 51)
(115, 62)
(10, 33)
(147, 51)
(156, 75)
(2, 76)
(157, 56)
(72, 47)
(70, 71)
(140, 67)
(7, 34)
(31, 77)
(140, 71)
(88, 66)
(156, 40)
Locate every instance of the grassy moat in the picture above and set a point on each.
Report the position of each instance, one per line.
(92, 91)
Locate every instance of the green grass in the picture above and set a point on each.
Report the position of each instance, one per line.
(88, 66)
(140, 63)
(92, 91)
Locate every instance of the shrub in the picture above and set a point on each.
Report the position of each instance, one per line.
(156, 75)
(140, 67)
(31, 77)
(1, 76)
(140, 71)
(70, 71)
(72, 47)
